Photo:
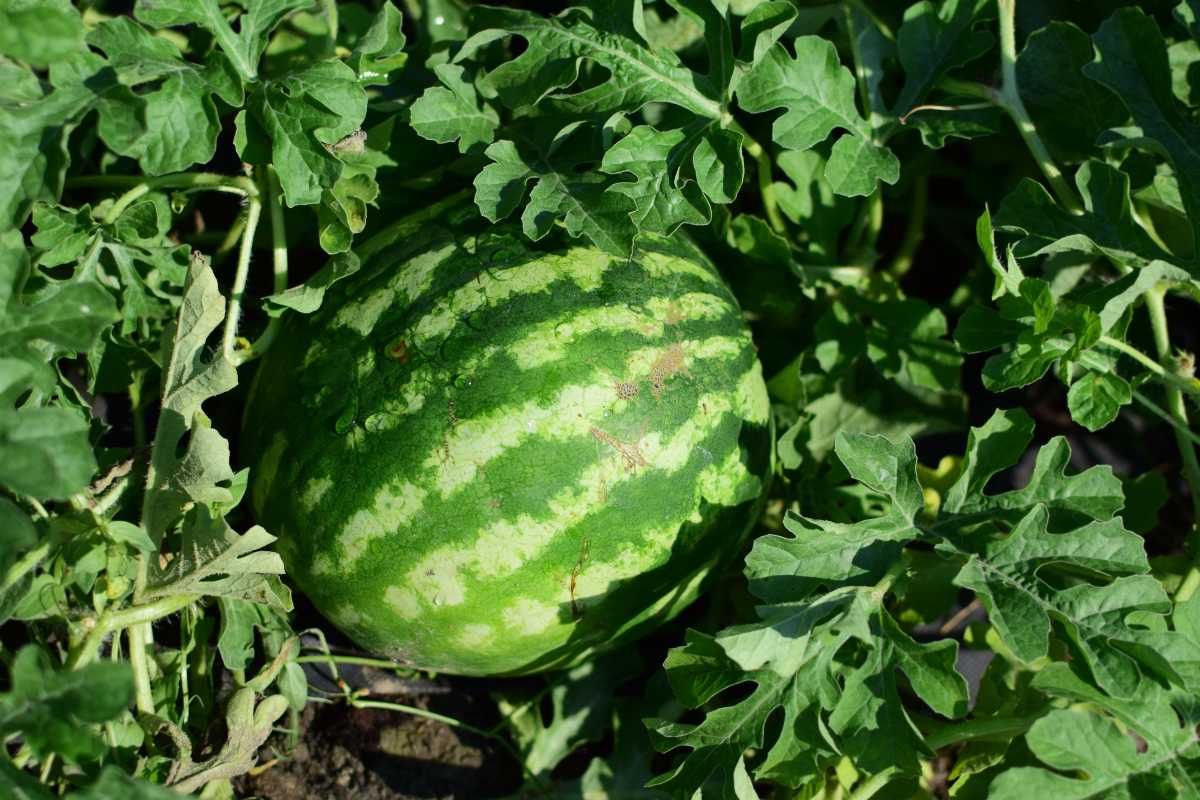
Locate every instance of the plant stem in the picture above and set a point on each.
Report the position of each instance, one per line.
(866, 229)
(914, 231)
(279, 265)
(1009, 98)
(362, 661)
(762, 165)
(1156, 308)
(26, 564)
(253, 211)
(1187, 589)
(133, 618)
(1160, 412)
(331, 15)
(1168, 377)
(141, 186)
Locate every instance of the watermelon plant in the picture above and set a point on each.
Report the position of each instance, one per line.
(803, 391)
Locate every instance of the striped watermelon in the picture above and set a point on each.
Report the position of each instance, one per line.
(485, 456)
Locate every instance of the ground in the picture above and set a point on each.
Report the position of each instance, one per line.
(367, 754)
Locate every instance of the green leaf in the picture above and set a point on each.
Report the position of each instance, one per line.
(380, 50)
(17, 533)
(217, 562)
(343, 211)
(582, 200)
(189, 378)
(930, 669)
(243, 47)
(582, 703)
(1133, 63)
(308, 296)
(934, 40)
(718, 164)
(1010, 577)
(817, 93)
(68, 315)
(21, 785)
(1105, 229)
(1095, 398)
(453, 111)
(52, 710)
(1094, 494)
(45, 452)
(295, 123)
(550, 61)
(40, 32)
(662, 200)
(181, 91)
(1069, 110)
(1099, 760)
(113, 782)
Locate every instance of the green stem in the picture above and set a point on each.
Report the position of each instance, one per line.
(1160, 412)
(866, 229)
(331, 15)
(914, 231)
(133, 618)
(135, 404)
(141, 186)
(1168, 377)
(230, 240)
(234, 310)
(1009, 98)
(872, 785)
(279, 265)
(1156, 308)
(1191, 583)
(361, 661)
(26, 564)
(762, 165)
(140, 642)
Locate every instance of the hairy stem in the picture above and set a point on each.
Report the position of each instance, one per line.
(1167, 376)
(141, 186)
(234, 310)
(279, 264)
(133, 618)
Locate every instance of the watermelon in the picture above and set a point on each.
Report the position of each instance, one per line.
(489, 456)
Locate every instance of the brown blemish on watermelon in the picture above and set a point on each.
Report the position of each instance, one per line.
(669, 363)
(398, 351)
(626, 390)
(674, 314)
(628, 451)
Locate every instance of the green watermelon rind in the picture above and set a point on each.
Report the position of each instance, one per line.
(488, 456)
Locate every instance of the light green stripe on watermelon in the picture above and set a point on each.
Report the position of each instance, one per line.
(486, 456)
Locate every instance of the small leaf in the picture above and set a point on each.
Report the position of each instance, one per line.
(1095, 398)
(453, 111)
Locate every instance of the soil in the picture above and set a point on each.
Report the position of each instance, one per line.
(346, 753)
